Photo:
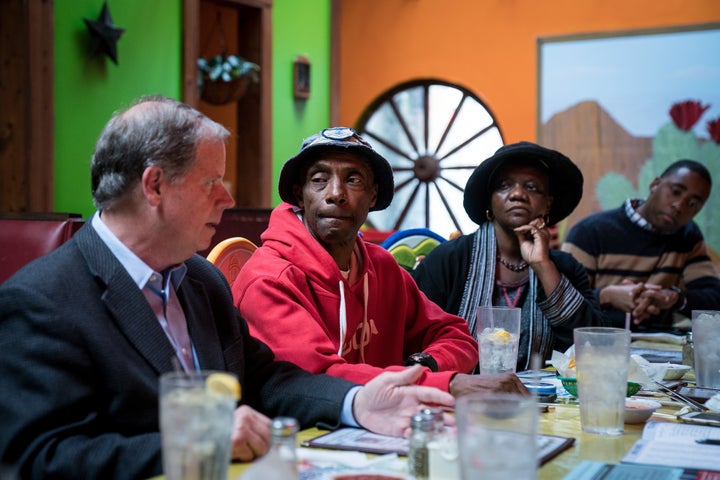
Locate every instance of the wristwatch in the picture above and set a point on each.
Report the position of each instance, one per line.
(424, 359)
(682, 299)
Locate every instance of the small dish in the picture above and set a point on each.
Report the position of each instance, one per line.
(534, 374)
(675, 371)
(639, 410)
(546, 392)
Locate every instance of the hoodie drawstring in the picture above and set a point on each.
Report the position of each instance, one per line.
(365, 319)
(342, 315)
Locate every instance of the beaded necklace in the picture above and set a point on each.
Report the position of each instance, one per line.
(511, 266)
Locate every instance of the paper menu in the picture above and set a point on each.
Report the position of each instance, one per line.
(588, 470)
(653, 430)
(674, 445)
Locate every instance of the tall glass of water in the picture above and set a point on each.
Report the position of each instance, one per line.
(196, 419)
(497, 436)
(602, 356)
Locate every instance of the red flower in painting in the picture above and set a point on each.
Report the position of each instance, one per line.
(713, 128)
(686, 114)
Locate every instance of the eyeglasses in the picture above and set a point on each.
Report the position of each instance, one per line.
(338, 134)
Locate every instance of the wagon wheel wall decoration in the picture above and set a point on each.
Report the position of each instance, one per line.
(433, 134)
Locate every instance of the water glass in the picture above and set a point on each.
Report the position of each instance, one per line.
(497, 436)
(602, 356)
(196, 427)
(498, 338)
(705, 334)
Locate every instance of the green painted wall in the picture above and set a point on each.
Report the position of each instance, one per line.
(88, 90)
(299, 28)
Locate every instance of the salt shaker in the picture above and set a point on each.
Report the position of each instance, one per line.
(688, 351)
(283, 433)
(438, 419)
(442, 448)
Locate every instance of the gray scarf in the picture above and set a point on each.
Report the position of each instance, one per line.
(479, 292)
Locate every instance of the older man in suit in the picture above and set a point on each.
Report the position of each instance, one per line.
(86, 331)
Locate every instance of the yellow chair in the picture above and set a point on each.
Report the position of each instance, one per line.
(230, 255)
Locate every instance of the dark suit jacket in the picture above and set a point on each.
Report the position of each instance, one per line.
(80, 356)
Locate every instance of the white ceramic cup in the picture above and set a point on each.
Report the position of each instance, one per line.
(498, 336)
(602, 356)
(705, 334)
(497, 436)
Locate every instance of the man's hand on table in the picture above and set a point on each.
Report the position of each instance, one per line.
(462, 384)
(386, 403)
(652, 301)
(623, 297)
(250, 435)
(641, 300)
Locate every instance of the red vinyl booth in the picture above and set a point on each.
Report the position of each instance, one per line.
(27, 236)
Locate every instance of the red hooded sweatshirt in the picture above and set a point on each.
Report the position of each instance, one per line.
(295, 299)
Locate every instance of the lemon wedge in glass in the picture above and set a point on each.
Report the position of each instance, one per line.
(501, 336)
(223, 384)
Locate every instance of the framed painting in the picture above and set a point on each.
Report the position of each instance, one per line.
(605, 100)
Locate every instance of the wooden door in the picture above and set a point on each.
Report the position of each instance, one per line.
(247, 27)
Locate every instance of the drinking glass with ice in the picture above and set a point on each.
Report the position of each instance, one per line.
(196, 420)
(705, 331)
(498, 339)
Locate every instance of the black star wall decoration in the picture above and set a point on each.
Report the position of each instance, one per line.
(104, 34)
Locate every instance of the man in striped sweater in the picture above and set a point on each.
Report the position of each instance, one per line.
(648, 258)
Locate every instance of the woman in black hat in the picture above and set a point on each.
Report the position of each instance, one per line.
(514, 196)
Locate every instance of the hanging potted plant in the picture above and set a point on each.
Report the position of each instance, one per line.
(225, 78)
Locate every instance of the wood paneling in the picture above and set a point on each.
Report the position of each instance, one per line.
(26, 96)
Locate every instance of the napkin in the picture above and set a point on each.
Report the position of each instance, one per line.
(564, 363)
(271, 465)
(713, 403)
(645, 373)
(318, 464)
(659, 337)
(319, 457)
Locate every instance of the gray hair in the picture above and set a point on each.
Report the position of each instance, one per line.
(153, 130)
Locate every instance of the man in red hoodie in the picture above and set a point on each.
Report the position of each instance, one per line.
(323, 298)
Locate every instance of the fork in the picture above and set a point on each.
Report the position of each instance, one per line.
(682, 398)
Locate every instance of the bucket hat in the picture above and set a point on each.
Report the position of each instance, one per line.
(566, 180)
(337, 139)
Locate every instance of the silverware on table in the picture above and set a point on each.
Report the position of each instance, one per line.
(681, 398)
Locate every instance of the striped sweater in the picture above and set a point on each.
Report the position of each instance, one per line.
(612, 247)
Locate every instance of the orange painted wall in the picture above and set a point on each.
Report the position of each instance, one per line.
(487, 46)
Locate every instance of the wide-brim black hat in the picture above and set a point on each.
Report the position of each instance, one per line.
(566, 180)
(341, 139)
